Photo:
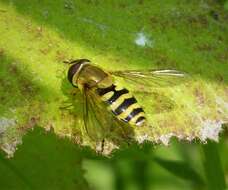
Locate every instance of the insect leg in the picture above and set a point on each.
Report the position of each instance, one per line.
(66, 105)
(100, 146)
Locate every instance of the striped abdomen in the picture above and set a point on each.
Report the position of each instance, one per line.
(122, 104)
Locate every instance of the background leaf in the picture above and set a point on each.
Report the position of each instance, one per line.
(181, 169)
(213, 167)
(43, 161)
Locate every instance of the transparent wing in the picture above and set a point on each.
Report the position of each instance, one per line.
(100, 122)
(152, 78)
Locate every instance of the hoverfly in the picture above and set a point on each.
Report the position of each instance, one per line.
(106, 104)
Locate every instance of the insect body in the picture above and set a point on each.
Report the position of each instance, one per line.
(107, 105)
(119, 100)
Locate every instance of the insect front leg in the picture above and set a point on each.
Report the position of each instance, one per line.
(68, 103)
(67, 106)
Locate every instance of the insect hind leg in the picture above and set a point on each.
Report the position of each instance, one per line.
(100, 147)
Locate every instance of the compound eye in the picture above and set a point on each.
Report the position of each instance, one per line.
(76, 64)
(72, 71)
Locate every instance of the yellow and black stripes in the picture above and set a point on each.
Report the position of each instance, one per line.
(133, 113)
(122, 104)
(117, 94)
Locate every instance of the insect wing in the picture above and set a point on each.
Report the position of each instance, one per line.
(98, 120)
(152, 78)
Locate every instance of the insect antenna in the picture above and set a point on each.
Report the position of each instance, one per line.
(68, 62)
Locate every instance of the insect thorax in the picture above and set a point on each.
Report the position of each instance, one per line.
(92, 76)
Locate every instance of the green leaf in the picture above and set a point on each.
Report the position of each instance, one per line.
(43, 161)
(213, 167)
(181, 169)
(226, 5)
(37, 37)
